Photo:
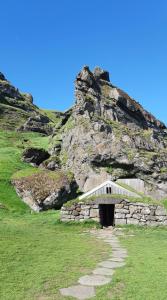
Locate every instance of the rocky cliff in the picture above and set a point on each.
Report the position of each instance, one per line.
(108, 135)
(18, 112)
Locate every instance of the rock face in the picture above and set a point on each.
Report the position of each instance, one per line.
(45, 189)
(37, 123)
(17, 111)
(108, 135)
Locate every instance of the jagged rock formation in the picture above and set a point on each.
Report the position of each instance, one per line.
(108, 135)
(17, 111)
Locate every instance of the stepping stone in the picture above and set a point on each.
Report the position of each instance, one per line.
(103, 271)
(79, 292)
(119, 252)
(111, 264)
(116, 248)
(119, 255)
(94, 280)
(119, 259)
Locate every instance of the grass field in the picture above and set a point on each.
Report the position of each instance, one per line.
(39, 255)
(145, 274)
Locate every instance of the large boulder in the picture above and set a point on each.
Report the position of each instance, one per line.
(45, 189)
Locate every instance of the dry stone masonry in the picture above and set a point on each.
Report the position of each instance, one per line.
(126, 212)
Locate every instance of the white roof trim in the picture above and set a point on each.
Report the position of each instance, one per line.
(103, 184)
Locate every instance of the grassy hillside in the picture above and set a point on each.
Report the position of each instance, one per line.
(12, 145)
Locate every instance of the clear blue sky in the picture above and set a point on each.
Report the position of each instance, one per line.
(44, 44)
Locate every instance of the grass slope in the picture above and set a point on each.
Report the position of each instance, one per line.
(12, 145)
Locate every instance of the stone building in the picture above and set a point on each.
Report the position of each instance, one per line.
(109, 205)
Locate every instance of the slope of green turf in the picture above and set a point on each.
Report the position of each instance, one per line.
(12, 144)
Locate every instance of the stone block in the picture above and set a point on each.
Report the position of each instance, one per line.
(132, 221)
(152, 211)
(128, 216)
(85, 212)
(160, 211)
(122, 210)
(65, 220)
(153, 223)
(94, 213)
(143, 220)
(161, 218)
(133, 209)
(65, 212)
(147, 217)
(142, 223)
(119, 216)
(75, 213)
(66, 217)
(126, 207)
(137, 216)
(145, 211)
(63, 208)
(120, 221)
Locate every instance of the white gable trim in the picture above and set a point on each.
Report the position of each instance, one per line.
(109, 182)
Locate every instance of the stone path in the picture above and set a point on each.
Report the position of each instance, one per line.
(105, 270)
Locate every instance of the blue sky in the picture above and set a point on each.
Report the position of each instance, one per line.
(44, 44)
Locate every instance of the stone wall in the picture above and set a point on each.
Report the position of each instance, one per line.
(80, 212)
(125, 213)
(140, 214)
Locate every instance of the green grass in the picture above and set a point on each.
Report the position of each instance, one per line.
(39, 255)
(26, 172)
(144, 276)
(52, 115)
(12, 144)
(142, 199)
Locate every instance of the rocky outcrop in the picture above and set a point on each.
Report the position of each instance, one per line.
(17, 111)
(109, 135)
(37, 123)
(45, 189)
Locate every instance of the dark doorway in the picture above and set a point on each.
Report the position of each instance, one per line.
(106, 212)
